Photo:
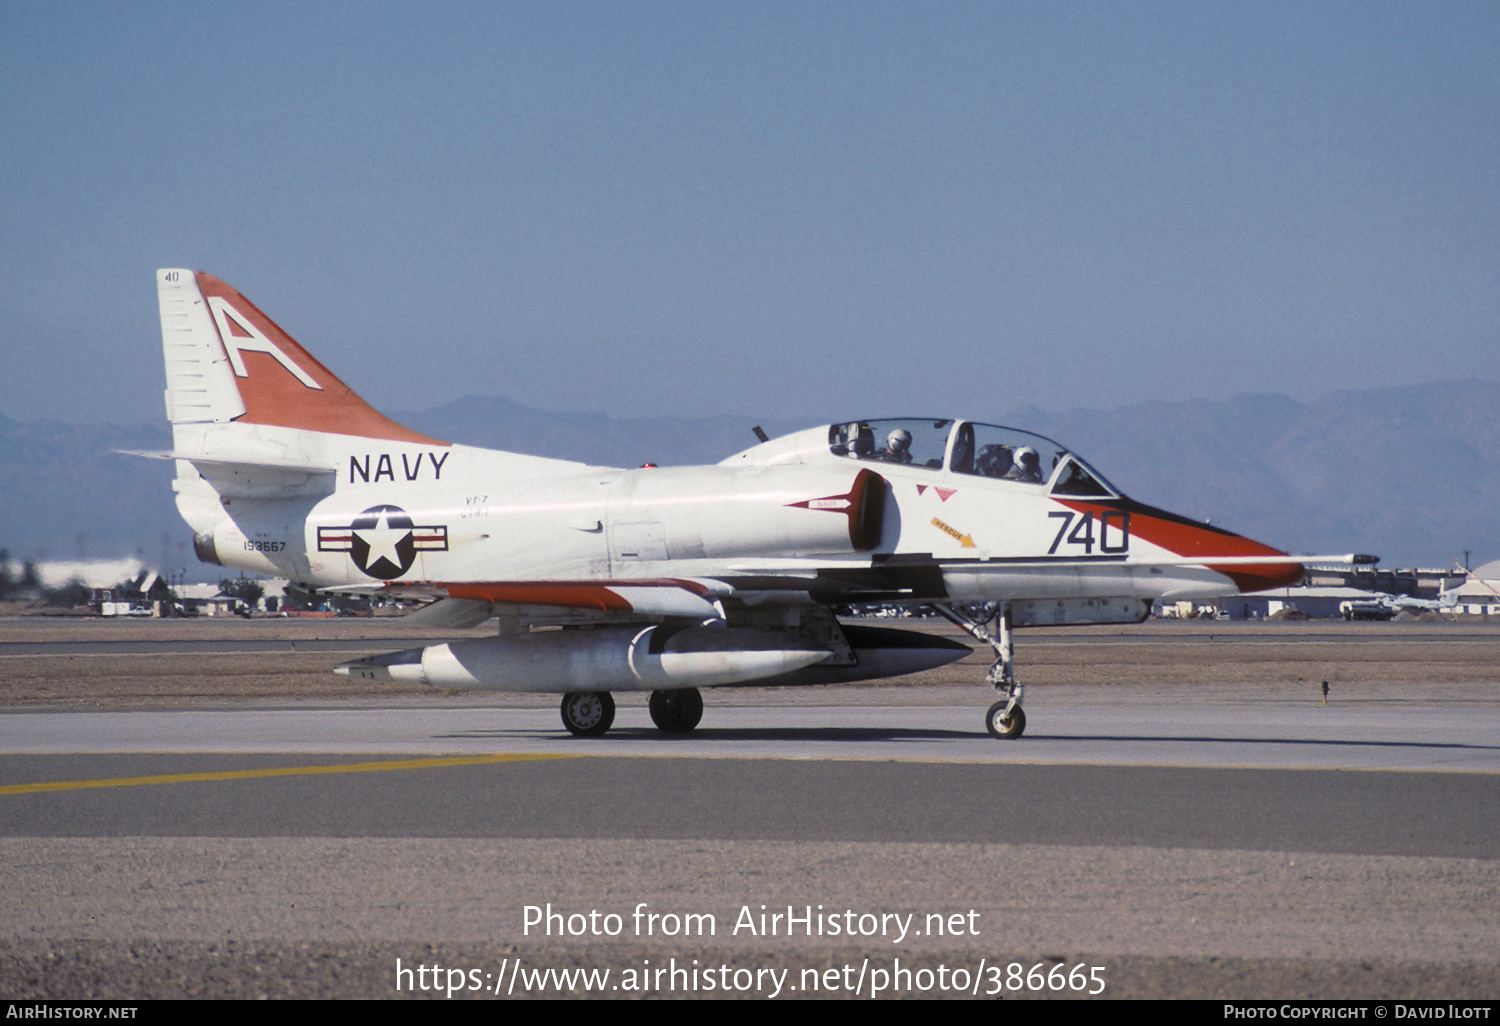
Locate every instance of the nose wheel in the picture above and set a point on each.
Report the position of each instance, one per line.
(1004, 722)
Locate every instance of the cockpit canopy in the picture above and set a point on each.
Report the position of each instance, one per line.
(963, 447)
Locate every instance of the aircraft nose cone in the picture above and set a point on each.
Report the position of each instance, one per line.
(1199, 541)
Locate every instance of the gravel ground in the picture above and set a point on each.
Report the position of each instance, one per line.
(293, 917)
(1424, 661)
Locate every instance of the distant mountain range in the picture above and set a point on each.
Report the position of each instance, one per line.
(1411, 474)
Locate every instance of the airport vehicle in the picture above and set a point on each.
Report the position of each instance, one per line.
(663, 579)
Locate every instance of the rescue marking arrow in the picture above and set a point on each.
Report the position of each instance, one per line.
(963, 539)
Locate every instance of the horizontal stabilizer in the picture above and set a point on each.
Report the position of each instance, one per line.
(258, 462)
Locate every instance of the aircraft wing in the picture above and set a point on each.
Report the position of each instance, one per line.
(560, 602)
(467, 604)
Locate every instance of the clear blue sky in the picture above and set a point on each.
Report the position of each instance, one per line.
(777, 210)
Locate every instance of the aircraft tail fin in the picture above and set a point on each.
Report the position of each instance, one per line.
(228, 362)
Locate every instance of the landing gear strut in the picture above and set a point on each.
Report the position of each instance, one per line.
(1005, 718)
(588, 713)
(676, 711)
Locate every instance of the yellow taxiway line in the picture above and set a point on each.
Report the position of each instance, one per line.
(280, 771)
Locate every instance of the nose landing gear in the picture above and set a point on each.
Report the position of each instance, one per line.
(1005, 718)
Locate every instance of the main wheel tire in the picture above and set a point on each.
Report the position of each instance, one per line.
(676, 711)
(1006, 728)
(588, 713)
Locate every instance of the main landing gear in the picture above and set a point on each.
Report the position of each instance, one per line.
(588, 713)
(591, 713)
(1006, 719)
(676, 711)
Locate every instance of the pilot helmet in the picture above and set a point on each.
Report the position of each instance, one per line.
(1029, 462)
(898, 440)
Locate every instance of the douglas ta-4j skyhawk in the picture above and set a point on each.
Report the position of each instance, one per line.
(664, 579)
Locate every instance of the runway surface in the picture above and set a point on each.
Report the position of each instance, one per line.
(939, 724)
(1240, 841)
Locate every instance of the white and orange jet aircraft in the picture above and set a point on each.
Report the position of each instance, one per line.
(666, 579)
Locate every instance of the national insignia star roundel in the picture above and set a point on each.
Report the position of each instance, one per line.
(383, 541)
